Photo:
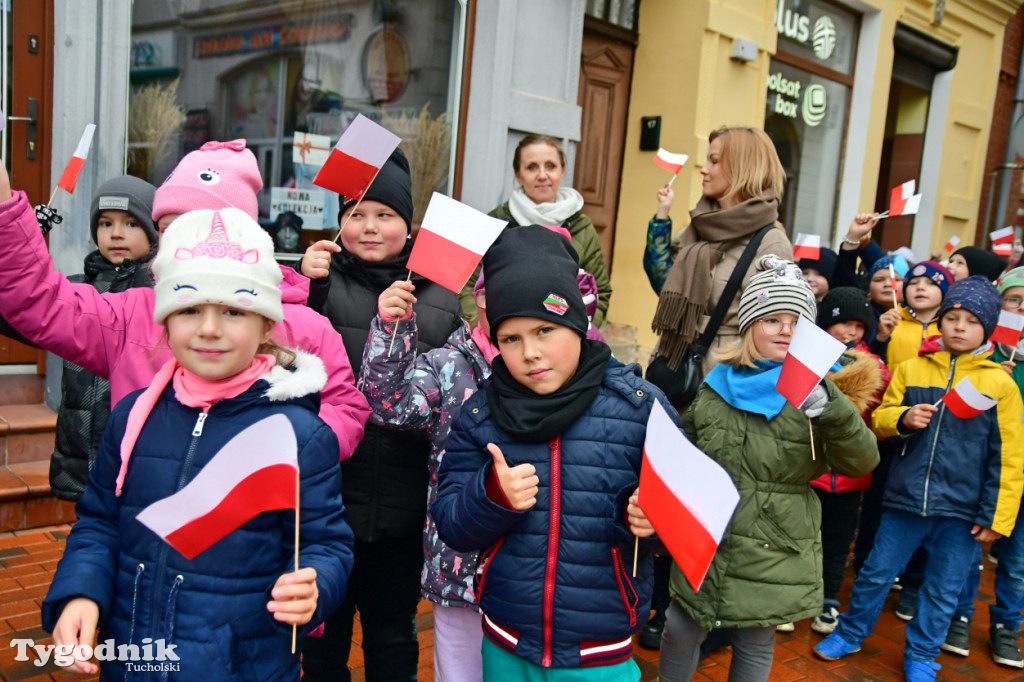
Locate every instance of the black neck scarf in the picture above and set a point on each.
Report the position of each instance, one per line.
(534, 418)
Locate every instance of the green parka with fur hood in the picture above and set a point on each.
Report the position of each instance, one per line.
(767, 569)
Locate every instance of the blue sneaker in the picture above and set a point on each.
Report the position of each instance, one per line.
(834, 647)
(919, 671)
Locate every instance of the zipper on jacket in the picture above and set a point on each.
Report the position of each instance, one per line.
(935, 438)
(552, 559)
(197, 430)
(622, 578)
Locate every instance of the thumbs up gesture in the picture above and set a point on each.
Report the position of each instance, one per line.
(519, 483)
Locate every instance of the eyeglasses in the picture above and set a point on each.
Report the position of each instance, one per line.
(773, 325)
(1013, 302)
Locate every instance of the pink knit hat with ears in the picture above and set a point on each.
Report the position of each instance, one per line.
(217, 175)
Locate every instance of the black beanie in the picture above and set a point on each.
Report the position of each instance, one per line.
(392, 187)
(825, 263)
(981, 262)
(531, 272)
(842, 304)
(125, 193)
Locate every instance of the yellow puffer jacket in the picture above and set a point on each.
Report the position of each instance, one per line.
(906, 338)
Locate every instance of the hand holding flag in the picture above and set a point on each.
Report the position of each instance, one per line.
(688, 498)
(812, 352)
(966, 402)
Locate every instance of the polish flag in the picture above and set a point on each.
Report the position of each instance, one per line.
(965, 401)
(807, 246)
(71, 171)
(687, 496)
(812, 352)
(1002, 249)
(353, 163)
(1008, 328)
(451, 241)
(953, 242)
(256, 471)
(903, 201)
(1003, 236)
(673, 163)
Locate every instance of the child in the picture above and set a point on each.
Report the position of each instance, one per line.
(902, 330)
(217, 296)
(818, 272)
(767, 569)
(971, 260)
(113, 334)
(541, 471)
(122, 226)
(1005, 614)
(880, 282)
(385, 482)
(958, 481)
(846, 315)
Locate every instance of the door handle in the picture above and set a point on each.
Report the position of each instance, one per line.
(30, 134)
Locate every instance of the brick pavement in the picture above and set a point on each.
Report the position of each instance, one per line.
(28, 559)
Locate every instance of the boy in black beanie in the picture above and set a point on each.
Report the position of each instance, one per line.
(541, 470)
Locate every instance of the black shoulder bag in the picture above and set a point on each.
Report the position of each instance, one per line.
(680, 385)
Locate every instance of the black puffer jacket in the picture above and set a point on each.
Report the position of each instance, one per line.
(384, 483)
(85, 397)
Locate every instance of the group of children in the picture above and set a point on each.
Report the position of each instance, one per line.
(498, 474)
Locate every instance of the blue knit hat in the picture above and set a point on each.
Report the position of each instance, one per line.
(933, 271)
(976, 295)
(898, 263)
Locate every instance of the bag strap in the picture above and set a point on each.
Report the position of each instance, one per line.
(729, 293)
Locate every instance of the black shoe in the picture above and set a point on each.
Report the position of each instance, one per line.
(906, 609)
(1005, 650)
(650, 634)
(958, 637)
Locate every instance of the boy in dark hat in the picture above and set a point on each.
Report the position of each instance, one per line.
(550, 450)
(972, 260)
(959, 480)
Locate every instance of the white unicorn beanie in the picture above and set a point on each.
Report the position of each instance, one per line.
(221, 257)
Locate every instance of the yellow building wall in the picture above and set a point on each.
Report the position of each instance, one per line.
(683, 73)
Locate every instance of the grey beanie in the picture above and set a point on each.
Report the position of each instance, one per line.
(125, 193)
(777, 286)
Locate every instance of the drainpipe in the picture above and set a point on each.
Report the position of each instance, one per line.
(1011, 154)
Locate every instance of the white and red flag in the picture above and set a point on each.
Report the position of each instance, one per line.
(451, 241)
(965, 401)
(353, 163)
(673, 163)
(953, 242)
(1008, 328)
(1003, 236)
(687, 496)
(903, 201)
(71, 171)
(1004, 249)
(256, 471)
(807, 246)
(812, 352)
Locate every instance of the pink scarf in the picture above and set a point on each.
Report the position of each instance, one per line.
(483, 342)
(191, 391)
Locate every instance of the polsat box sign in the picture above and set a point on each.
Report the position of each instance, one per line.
(272, 37)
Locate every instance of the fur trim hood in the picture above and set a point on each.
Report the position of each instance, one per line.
(304, 376)
(859, 379)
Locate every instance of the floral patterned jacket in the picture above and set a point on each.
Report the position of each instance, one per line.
(426, 392)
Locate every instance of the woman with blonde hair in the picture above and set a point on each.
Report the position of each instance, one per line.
(741, 189)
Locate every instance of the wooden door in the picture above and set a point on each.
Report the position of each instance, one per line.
(606, 69)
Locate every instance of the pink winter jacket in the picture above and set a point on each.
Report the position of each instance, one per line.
(114, 335)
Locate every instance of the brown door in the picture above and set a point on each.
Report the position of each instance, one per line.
(605, 72)
(28, 159)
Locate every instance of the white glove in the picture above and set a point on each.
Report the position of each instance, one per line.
(816, 402)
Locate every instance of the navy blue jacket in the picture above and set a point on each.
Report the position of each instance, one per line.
(556, 585)
(213, 607)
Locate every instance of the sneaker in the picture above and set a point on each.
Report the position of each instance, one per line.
(896, 587)
(834, 647)
(1005, 650)
(919, 671)
(785, 627)
(650, 634)
(826, 622)
(958, 636)
(993, 554)
(906, 610)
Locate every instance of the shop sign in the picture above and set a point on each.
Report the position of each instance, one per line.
(792, 99)
(273, 37)
(796, 26)
(308, 204)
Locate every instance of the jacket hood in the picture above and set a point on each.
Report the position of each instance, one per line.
(294, 286)
(306, 376)
(859, 379)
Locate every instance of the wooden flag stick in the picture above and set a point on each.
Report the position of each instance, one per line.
(810, 429)
(1013, 354)
(674, 176)
(53, 195)
(294, 627)
(358, 201)
(883, 214)
(394, 332)
(892, 281)
(636, 551)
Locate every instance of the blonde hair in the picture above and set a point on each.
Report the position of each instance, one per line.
(743, 353)
(751, 162)
(284, 356)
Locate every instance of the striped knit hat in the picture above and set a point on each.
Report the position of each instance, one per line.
(776, 287)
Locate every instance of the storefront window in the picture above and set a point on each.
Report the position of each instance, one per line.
(271, 70)
(807, 103)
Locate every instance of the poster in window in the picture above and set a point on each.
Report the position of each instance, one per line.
(386, 65)
(253, 102)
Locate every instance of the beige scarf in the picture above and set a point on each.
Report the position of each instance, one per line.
(686, 294)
